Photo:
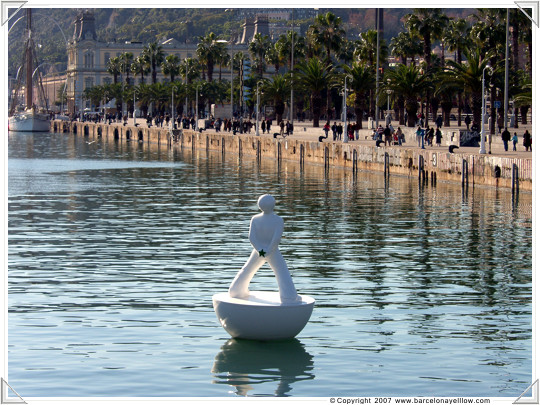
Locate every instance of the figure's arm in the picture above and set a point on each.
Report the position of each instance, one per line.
(253, 236)
(276, 237)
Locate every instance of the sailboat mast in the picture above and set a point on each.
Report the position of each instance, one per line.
(29, 67)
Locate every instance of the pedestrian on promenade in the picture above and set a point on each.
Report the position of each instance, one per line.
(514, 141)
(263, 125)
(527, 140)
(400, 136)
(387, 136)
(380, 133)
(334, 131)
(339, 131)
(438, 136)
(268, 123)
(467, 121)
(505, 138)
(439, 122)
(282, 127)
(419, 136)
(326, 128)
(430, 135)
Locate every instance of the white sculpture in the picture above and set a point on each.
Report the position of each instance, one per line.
(265, 233)
(259, 314)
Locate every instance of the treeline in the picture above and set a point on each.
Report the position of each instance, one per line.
(323, 60)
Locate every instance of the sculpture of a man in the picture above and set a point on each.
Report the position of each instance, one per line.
(264, 234)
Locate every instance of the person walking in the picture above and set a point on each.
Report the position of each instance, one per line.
(527, 140)
(505, 138)
(326, 128)
(514, 141)
(334, 131)
(263, 125)
(438, 136)
(420, 136)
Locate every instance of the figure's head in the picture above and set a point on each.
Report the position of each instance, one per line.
(266, 203)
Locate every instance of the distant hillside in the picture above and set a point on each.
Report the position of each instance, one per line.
(184, 24)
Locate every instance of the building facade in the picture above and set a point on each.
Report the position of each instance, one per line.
(88, 57)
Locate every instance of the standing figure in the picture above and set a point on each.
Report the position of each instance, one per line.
(265, 232)
(527, 140)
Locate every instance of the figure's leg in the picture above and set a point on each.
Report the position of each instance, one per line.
(287, 291)
(240, 284)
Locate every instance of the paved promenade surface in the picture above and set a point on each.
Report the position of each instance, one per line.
(305, 131)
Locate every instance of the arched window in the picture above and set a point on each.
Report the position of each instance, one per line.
(89, 60)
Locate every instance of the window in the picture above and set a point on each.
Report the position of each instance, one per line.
(107, 80)
(88, 82)
(89, 60)
(106, 57)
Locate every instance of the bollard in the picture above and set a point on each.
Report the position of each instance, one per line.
(326, 157)
(421, 173)
(515, 179)
(464, 173)
(239, 147)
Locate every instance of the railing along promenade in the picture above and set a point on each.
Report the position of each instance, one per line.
(503, 169)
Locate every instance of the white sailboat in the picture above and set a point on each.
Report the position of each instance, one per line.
(30, 119)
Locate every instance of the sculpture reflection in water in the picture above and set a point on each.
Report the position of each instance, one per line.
(243, 364)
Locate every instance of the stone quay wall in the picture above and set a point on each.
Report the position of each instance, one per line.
(473, 169)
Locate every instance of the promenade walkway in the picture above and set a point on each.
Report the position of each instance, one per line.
(306, 131)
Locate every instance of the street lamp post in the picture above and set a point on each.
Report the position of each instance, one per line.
(257, 115)
(482, 132)
(344, 112)
(172, 107)
(134, 119)
(197, 107)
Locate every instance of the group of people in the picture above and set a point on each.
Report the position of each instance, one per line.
(427, 135)
(527, 140)
(337, 131)
(388, 135)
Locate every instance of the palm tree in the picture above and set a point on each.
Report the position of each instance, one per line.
(469, 77)
(189, 69)
(153, 55)
(410, 83)
(126, 60)
(404, 46)
(171, 66)
(489, 34)
(362, 82)
(313, 77)
(144, 95)
(94, 94)
(328, 32)
(284, 44)
(139, 66)
(428, 24)
(367, 48)
(456, 37)
(277, 91)
(208, 53)
(258, 48)
(274, 57)
(114, 67)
